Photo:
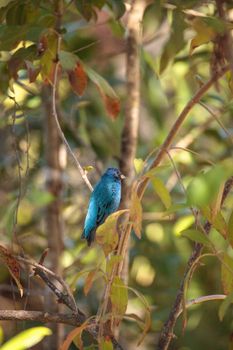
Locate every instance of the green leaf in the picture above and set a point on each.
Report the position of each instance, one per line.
(119, 298)
(220, 224)
(204, 33)
(111, 100)
(176, 41)
(26, 339)
(68, 60)
(196, 236)
(227, 273)
(230, 229)
(161, 191)
(224, 306)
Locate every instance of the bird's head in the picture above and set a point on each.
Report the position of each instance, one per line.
(115, 173)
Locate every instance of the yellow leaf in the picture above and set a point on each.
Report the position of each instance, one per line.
(106, 234)
(119, 298)
(138, 165)
(136, 214)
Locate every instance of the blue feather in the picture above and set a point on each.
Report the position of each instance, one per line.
(104, 200)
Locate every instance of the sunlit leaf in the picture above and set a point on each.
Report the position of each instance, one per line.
(119, 298)
(225, 306)
(227, 274)
(136, 214)
(26, 339)
(196, 236)
(13, 266)
(138, 165)
(106, 234)
(161, 191)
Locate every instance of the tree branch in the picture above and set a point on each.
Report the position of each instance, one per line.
(178, 123)
(167, 331)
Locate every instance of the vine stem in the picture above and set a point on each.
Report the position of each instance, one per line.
(54, 113)
(202, 299)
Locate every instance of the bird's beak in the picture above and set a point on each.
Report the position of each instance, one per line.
(122, 177)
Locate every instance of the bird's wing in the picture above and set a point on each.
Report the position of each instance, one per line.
(103, 211)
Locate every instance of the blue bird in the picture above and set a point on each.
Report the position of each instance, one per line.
(105, 199)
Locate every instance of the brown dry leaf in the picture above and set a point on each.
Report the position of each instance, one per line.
(89, 281)
(78, 79)
(12, 265)
(112, 105)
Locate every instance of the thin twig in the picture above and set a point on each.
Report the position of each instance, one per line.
(54, 113)
(202, 299)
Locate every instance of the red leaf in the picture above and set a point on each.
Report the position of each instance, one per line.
(12, 265)
(78, 79)
(112, 105)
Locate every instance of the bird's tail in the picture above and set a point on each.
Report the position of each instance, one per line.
(90, 237)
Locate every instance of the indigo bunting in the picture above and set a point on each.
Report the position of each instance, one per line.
(105, 199)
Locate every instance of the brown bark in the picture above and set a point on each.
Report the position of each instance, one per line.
(130, 130)
(54, 225)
